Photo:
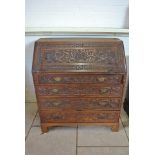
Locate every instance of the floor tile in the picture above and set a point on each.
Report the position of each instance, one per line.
(103, 150)
(125, 121)
(127, 130)
(58, 141)
(30, 112)
(101, 136)
(36, 120)
(124, 116)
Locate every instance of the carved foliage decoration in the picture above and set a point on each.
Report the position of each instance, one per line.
(65, 90)
(50, 78)
(80, 117)
(86, 103)
(102, 55)
(79, 56)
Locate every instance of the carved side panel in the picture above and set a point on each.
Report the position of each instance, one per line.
(35, 78)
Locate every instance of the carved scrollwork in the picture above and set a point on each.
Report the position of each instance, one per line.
(65, 90)
(52, 104)
(79, 116)
(102, 55)
(97, 116)
(105, 116)
(50, 78)
(54, 116)
(67, 56)
(94, 103)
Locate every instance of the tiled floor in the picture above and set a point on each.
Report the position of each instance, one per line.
(81, 140)
(30, 113)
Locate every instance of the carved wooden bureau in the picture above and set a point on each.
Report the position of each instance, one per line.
(79, 81)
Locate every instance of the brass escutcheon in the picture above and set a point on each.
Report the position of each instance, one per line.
(57, 79)
(54, 90)
(104, 90)
(103, 103)
(101, 79)
(56, 103)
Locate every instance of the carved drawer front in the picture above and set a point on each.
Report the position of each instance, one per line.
(79, 103)
(97, 116)
(57, 116)
(89, 90)
(79, 116)
(73, 78)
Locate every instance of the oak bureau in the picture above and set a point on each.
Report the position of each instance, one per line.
(79, 81)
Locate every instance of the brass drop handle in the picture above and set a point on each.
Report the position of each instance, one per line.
(55, 90)
(103, 103)
(57, 79)
(56, 103)
(104, 90)
(101, 79)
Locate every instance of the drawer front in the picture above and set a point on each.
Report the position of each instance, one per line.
(76, 90)
(72, 78)
(79, 116)
(57, 116)
(46, 103)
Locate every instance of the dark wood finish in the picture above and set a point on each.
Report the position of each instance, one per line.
(79, 116)
(79, 81)
(79, 90)
(45, 126)
(72, 78)
(76, 103)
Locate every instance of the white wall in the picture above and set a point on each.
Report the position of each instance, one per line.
(77, 13)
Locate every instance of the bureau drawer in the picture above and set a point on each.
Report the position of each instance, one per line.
(76, 78)
(82, 90)
(46, 103)
(79, 116)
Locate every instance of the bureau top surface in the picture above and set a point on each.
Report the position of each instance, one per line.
(79, 55)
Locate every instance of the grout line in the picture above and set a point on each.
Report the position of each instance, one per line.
(31, 126)
(103, 146)
(77, 139)
(124, 128)
(36, 126)
(33, 122)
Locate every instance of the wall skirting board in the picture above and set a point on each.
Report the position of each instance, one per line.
(75, 31)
